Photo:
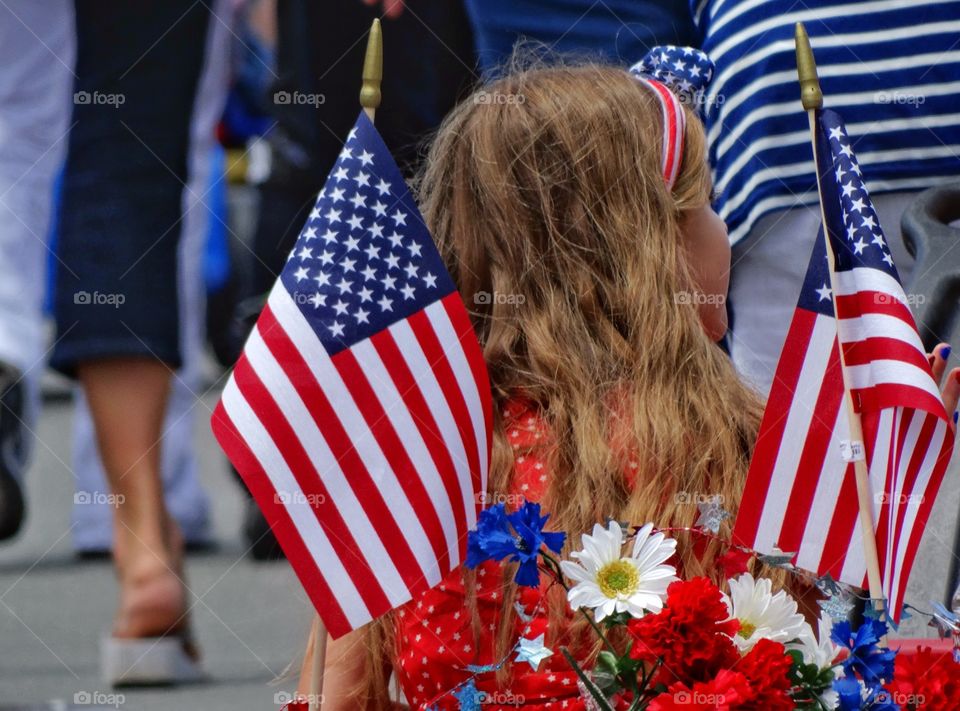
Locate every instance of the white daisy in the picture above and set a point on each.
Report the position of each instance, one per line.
(762, 615)
(609, 582)
(820, 650)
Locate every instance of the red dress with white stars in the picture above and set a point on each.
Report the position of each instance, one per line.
(435, 633)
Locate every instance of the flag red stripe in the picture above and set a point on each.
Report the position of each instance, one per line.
(772, 428)
(433, 350)
(342, 448)
(815, 449)
(414, 401)
(278, 519)
(471, 348)
(403, 467)
(923, 515)
(884, 395)
(873, 302)
(288, 444)
(835, 546)
(912, 473)
(881, 348)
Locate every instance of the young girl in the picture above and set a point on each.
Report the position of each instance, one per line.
(577, 198)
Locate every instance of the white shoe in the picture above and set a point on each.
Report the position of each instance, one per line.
(148, 661)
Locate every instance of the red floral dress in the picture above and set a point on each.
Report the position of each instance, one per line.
(435, 633)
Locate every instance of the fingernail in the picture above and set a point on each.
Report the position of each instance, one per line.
(956, 375)
(956, 416)
(945, 352)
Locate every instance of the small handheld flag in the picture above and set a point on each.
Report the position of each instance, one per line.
(359, 413)
(801, 492)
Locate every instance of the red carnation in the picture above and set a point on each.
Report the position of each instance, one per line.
(691, 635)
(926, 681)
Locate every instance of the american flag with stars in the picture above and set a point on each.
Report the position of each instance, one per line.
(359, 413)
(801, 494)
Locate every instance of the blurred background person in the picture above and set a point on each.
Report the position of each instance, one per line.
(36, 52)
(140, 69)
(891, 71)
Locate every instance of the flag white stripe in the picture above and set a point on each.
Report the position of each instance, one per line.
(391, 400)
(341, 494)
(890, 372)
(860, 328)
(363, 440)
(798, 420)
(468, 385)
(302, 515)
(919, 489)
(851, 282)
(826, 498)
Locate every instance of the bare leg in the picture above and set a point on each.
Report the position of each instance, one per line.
(128, 399)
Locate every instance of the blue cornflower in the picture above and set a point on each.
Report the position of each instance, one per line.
(871, 662)
(517, 537)
(848, 692)
(528, 524)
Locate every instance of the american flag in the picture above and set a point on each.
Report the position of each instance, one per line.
(359, 412)
(801, 494)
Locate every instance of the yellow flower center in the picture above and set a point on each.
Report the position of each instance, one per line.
(618, 578)
(746, 629)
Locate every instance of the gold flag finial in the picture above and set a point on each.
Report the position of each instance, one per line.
(372, 70)
(810, 94)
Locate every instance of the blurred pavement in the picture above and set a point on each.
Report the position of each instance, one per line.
(250, 619)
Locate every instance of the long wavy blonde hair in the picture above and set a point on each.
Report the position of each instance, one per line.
(545, 186)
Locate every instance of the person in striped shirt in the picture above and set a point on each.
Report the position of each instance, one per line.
(892, 69)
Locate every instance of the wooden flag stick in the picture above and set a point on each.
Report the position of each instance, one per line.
(318, 635)
(372, 71)
(812, 99)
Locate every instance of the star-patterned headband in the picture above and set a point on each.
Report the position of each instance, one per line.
(676, 75)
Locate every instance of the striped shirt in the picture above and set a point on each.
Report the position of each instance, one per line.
(891, 68)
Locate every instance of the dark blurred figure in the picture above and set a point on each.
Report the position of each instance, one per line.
(428, 64)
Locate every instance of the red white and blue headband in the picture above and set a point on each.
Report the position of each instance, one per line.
(676, 75)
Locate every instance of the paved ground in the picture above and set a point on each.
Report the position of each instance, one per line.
(251, 619)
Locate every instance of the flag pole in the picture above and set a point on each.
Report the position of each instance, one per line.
(372, 71)
(369, 100)
(812, 99)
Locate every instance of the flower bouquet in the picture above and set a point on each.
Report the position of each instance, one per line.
(668, 644)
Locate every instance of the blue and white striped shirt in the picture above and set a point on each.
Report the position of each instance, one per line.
(891, 68)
